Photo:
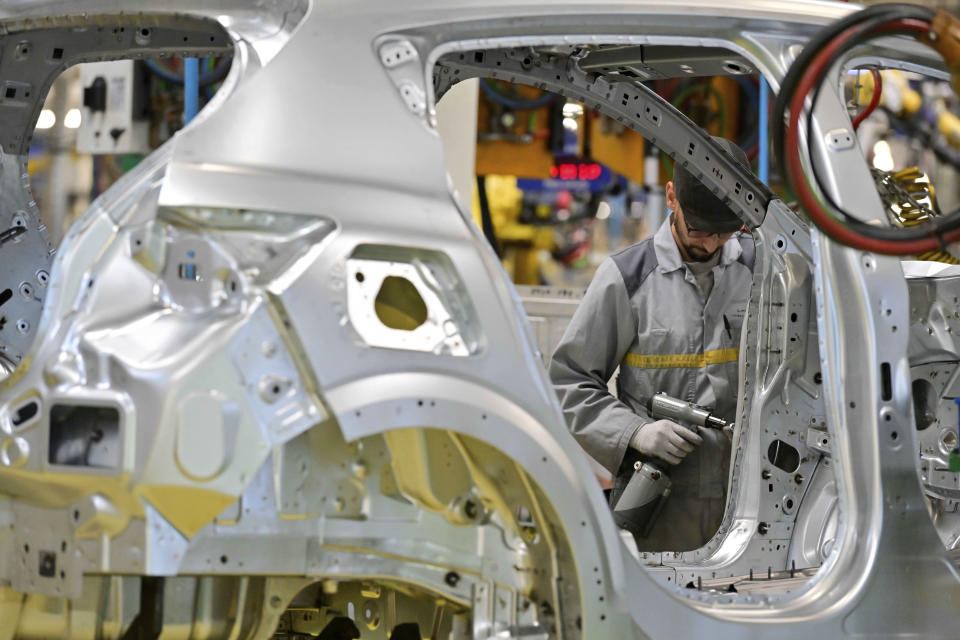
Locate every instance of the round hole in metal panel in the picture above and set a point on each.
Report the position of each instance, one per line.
(783, 456)
(399, 305)
(788, 504)
(735, 67)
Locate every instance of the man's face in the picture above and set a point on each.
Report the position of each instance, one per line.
(694, 245)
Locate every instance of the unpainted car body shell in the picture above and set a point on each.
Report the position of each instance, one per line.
(340, 460)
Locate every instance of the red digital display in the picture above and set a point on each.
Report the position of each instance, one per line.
(576, 171)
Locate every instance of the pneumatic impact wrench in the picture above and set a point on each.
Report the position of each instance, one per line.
(648, 489)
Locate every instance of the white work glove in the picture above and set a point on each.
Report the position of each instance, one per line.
(666, 440)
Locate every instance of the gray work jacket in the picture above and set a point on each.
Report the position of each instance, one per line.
(644, 312)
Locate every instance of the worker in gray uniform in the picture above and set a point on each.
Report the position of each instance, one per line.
(668, 312)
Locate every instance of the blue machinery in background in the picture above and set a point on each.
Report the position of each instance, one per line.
(763, 159)
(191, 88)
(192, 80)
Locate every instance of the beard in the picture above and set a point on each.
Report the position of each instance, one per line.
(698, 254)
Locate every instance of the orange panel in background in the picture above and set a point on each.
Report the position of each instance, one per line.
(513, 159)
(527, 155)
(729, 92)
(714, 106)
(621, 148)
(616, 146)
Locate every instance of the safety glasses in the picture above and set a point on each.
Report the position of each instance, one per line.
(697, 233)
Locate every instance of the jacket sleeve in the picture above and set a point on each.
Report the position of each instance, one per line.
(596, 340)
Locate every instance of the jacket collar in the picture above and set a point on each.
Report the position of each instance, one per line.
(668, 254)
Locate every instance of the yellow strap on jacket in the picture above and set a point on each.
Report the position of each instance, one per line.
(682, 360)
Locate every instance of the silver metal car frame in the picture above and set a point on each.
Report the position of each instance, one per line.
(322, 144)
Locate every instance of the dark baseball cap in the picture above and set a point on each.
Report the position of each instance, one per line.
(702, 209)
